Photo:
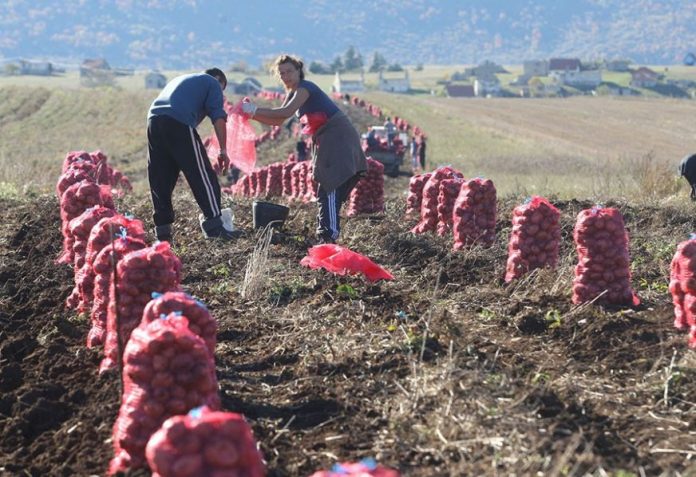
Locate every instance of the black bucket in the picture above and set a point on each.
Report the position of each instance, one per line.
(265, 213)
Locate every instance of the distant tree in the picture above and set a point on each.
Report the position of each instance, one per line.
(536, 86)
(337, 65)
(419, 67)
(379, 63)
(319, 68)
(352, 60)
(395, 67)
(240, 66)
(11, 69)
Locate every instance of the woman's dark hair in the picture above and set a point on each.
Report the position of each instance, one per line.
(217, 74)
(293, 60)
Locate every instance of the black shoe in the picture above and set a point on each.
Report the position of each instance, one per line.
(324, 239)
(224, 234)
(164, 233)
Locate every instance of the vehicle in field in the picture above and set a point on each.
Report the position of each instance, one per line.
(376, 146)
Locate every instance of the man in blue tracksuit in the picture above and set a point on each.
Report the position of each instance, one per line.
(174, 146)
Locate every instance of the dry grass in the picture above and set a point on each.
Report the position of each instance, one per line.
(256, 275)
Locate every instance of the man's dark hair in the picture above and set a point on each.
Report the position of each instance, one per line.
(217, 74)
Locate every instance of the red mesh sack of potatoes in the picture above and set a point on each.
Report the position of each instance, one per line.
(80, 228)
(297, 186)
(167, 371)
(274, 180)
(603, 268)
(245, 186)
(79, 171)
(311, 186)
(103, 268)
(139, 273)
(431, 189)
(75, 200)
(200, 321)
(75, 156)
(535, 238)
(364, 468)
(415, 193)
(253, 182)
(101, 235)
(682, 287)
(287, 178)
(204, 442)
(367, 196)
(449, 190)
(302, 180)
(261, 179)
(475, 214)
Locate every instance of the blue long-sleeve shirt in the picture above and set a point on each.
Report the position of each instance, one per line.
(189, 99)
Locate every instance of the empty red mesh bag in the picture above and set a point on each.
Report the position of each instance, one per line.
(241, 141)
(535, 238)
(167, 371)
(343, 261)
(204, 443)
(475, 214)
(139, 273)
(364, 468)
(603, 268)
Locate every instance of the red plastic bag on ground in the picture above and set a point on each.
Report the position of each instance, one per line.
(167, 371)
(682, 287)
(603, 261)
(365, 468)
(199, 319)
(205, 443)
(152, 269)
(241, 141)
(535, 238)
(343, 261)
(475, 214)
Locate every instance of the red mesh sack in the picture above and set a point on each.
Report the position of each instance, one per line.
(79, 171)
(199, 319)
(103, 269)
(365, 468)
(287, 178)
(603, 262)
(139, 273)
(75, 200)
(204, 442)
(167, 371)
(296, 174)
(311, 122)
(682, 287)
(535, 238)
(80, 228)
(475, 214)
(311, 186)
(449, 190)
(241, 141)
(343, 261)
(415, 193)
(244, 186)
(274, 180)
(368, 194)
(75, 156)
(261, 179)
(431, 189)
(101, 235)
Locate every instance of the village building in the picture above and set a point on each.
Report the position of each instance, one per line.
(343, 85)
(460, 90)
(394, 85)
(535, 68)
(644, 77)
(37, 68)
(96, 72)
(564, 65)
(155, 80)
(487, 85)
(586, 78)
(620, 66)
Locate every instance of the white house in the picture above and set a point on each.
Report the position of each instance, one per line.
(488, 85)
(341, 85)
(395, 85)
(155, 80)
(590, 78)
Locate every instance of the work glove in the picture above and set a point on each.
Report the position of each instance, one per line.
(249, 109)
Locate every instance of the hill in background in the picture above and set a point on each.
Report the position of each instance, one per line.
(190, 33)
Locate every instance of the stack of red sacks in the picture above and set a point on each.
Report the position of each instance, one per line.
(431, 190)
(475, 214)
(367, 196)
(603, 270)
(535, 238)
